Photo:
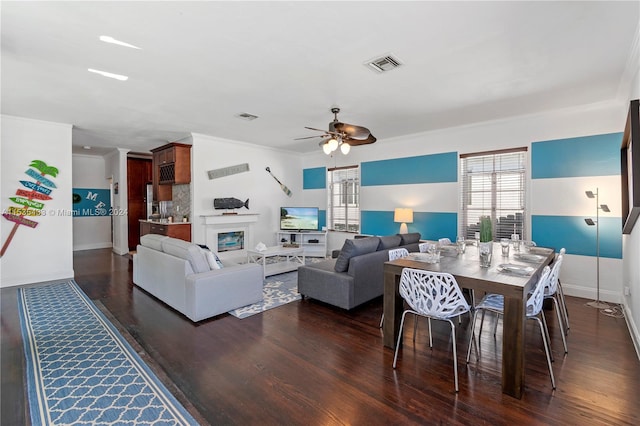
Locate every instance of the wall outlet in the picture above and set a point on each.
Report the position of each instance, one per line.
(627, 291)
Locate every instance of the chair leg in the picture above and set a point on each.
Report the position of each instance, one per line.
(395, 358)
(472, 338)
(381, 320)
(564, 339)
(455, 355)
(546, 349)
(548, 338)
(565, 312)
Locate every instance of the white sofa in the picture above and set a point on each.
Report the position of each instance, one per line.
(177, 273)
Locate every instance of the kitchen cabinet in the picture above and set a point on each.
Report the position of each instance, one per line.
(171, 166)
(179, 230)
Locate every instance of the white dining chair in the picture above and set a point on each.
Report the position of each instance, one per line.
(565, 311)
(533, 311)
(551, 292)
(434, 295)
(393, 255)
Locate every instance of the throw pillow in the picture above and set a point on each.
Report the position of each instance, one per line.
(412, 238)
(353, 248)
(389, 241)
(212, 259)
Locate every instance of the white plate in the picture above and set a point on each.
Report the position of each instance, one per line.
(526, 257)
(515, 269)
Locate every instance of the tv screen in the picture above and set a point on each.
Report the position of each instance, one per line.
(299, 218)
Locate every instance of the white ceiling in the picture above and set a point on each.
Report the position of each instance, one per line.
(201, 63)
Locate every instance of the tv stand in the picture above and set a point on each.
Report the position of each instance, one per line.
(314, 243)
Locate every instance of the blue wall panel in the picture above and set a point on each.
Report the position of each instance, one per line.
(572, 233)
(430, 225)
(597, 155)
(322, 218)
(315, 178)
(409, 170)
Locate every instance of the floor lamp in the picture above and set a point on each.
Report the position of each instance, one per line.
(590, 194)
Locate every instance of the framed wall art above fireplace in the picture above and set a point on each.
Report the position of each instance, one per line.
(630, 167)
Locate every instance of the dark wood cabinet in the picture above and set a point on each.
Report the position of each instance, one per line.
(175, 230)
(171, 166)
(139, 174)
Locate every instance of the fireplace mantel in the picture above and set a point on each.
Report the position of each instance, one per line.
(215, 224)
(219, 219)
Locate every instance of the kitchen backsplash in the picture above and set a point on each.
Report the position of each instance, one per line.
(181, 202)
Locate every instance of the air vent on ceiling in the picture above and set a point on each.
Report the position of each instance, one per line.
(384, 63)
(246, 116)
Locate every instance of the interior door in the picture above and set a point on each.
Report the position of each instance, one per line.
(139, 174)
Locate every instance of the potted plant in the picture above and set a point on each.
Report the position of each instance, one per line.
(486, 239)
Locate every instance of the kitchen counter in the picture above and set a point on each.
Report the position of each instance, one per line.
(181, 230)
(159, 222)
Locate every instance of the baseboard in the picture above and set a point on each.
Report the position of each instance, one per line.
(39, 278)
(590, 293)
(633, 329)
(93, 246)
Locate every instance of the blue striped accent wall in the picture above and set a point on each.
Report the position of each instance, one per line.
(572, 233)
(597, 155)
(431, 226)
(322, 218)
(420, 169)
(315, 178)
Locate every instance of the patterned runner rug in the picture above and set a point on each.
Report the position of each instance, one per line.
(81, 371)
(278, 290)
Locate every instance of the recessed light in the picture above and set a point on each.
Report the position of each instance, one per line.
(86, 147)
(109, 74)
(109, 39)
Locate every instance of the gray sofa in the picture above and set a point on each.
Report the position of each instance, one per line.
(356, 275)
(178, 273)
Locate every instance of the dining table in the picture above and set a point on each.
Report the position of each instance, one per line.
(512, 276)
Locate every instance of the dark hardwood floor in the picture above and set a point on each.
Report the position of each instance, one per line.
(312, 364)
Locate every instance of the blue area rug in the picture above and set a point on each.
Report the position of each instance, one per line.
(81, 371)
(277, 291)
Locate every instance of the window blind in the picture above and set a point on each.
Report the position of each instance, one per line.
(343, 201)
(493, 184)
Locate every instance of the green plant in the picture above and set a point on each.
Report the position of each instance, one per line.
(485, 229)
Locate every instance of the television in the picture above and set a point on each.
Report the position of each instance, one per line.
(299, 218)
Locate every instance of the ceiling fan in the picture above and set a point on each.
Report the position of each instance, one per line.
(341, 135)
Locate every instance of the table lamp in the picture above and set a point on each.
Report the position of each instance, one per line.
(403, 216)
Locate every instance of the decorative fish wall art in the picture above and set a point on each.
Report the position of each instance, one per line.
(229, 203)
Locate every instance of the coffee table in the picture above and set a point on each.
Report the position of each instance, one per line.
(290, 259)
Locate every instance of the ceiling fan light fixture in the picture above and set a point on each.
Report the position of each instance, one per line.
(326, 148)
(345, 148)
(333, 144)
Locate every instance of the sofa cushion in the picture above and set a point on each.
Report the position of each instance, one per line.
(213, 260)
(187, 251)
(153, 241)
(389, 241)
(411, 238)
(353, 248)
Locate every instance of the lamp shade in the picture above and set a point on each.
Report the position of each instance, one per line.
(402, 215)
(345, 148)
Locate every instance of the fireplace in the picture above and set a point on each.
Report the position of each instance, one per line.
(230, 241)
(230, 235)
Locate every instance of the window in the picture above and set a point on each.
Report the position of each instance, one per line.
(493, 184)
(343, 212)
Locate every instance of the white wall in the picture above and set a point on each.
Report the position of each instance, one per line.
(90, 232)
(500, 134)
(116, 168)
(264, 193)
(43, 253)
(631, 242)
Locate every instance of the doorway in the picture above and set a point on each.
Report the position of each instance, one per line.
(139, 175)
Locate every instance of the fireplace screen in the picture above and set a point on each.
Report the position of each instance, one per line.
(229, 241)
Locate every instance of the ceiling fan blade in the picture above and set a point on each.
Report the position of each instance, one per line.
(356, 142)
(353, 131)
(309, 137)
